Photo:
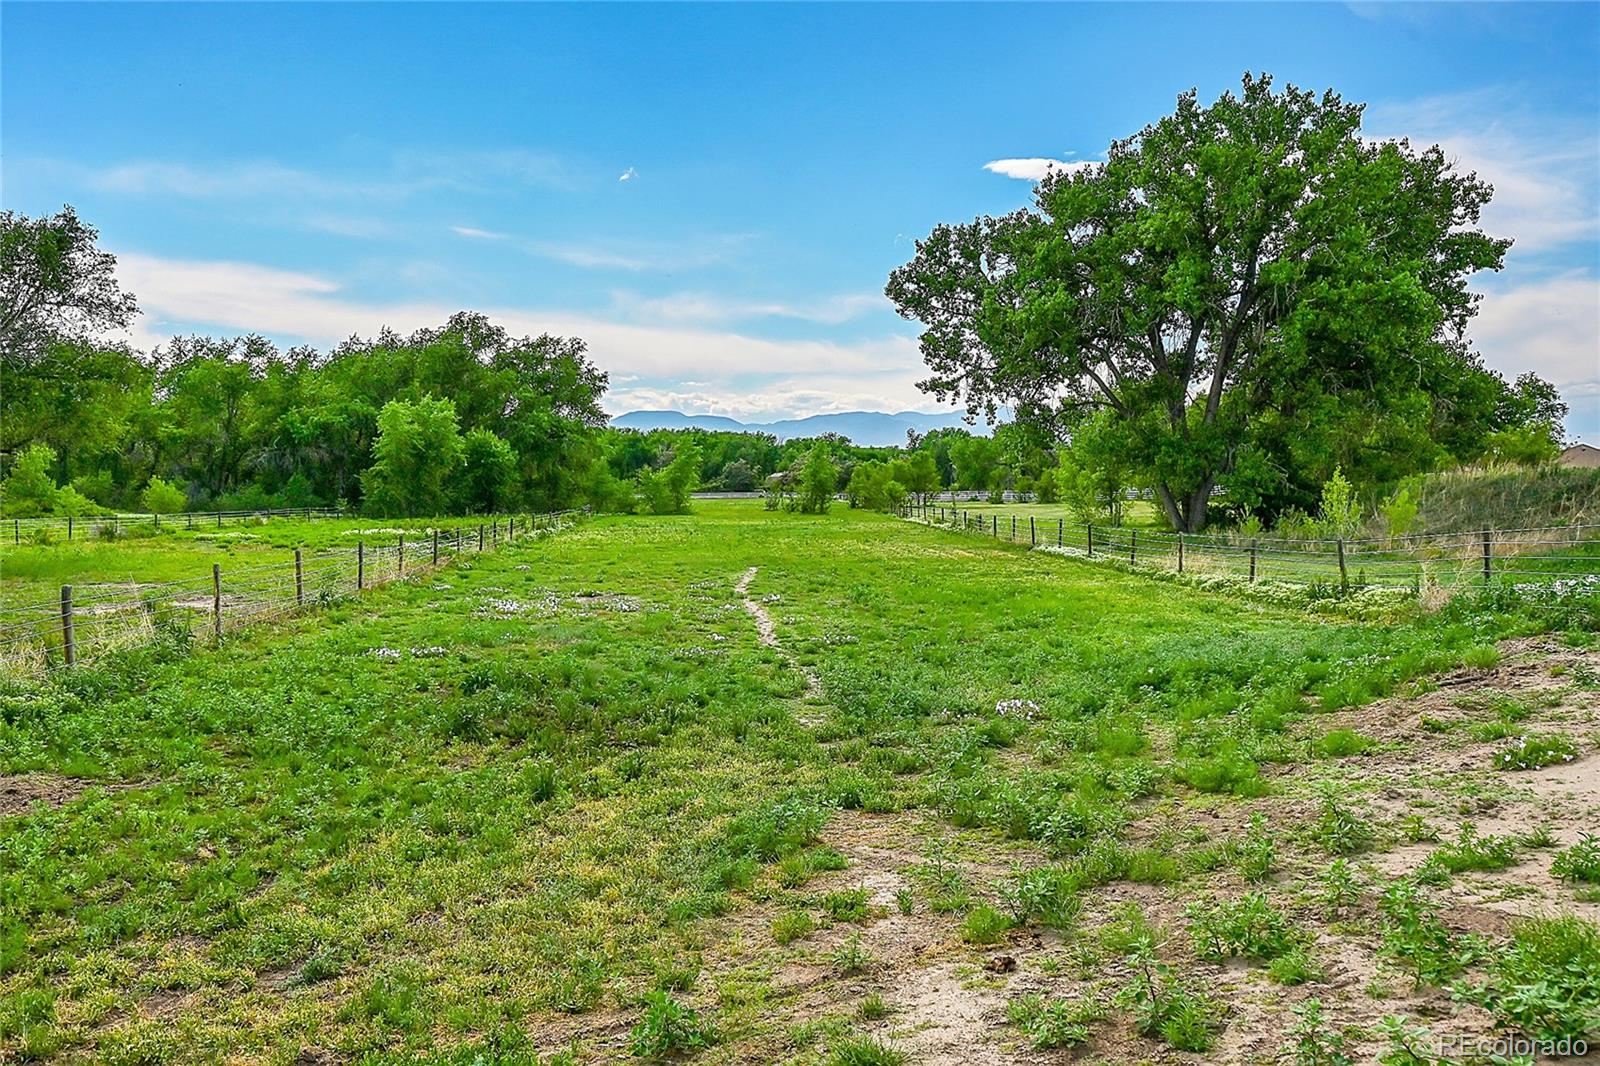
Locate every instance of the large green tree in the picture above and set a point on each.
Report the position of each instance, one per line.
(56, 286)
(1255, 257)
(417, 457)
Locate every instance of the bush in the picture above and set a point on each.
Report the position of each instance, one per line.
(1167, 1009)
(1414, 935)
(162, 498)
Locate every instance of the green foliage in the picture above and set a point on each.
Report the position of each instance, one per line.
(1470, 852)
(668, 1026)
(985, 925)
(417, 456)
(30, 489)
(1534, 751)
(1052, 1023)
(1313, 1041)
(1249, 926)
(792, 925)
(1414, 935)
(1340, 830)
(1400, 510)
(1339, 514)
(864, 1051)
(819, 479)
(1546, 982)
(667, 491)
(851, 957)
(1581, 862)
(1168, 1009)
(162, 498)
(488, 480)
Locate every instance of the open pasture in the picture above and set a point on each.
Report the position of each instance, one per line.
(748, 786)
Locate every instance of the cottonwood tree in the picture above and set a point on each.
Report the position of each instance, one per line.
(56, 286)
(1251, 257)
(417, 455)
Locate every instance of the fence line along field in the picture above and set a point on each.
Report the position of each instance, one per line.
(844, 789)
(138, 584)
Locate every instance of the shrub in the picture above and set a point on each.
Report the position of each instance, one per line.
(668, 1026)
(1414, 935)
(1339, 830)
(1533, 751)
(1471, 852)
(1581, 862)
(161, 497)
(1340, 743)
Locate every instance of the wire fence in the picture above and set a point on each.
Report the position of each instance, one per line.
(75, 527)
(1428, 564)
(88, 623)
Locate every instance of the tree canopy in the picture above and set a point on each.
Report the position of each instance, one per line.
(1252, 291)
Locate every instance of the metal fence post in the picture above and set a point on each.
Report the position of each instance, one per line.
(361, 566)
(69, 527)
(69, 643)
(1488, 556)
(299, 581)
(1061, 530)
(216, 599)
(480, 536)
(1033, 534)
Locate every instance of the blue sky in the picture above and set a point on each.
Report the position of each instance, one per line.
(713, 196)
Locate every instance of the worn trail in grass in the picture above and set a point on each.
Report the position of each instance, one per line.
(564, 794)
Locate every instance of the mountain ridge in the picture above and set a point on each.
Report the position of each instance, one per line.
(868, 428)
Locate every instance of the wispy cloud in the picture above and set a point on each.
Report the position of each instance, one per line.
(1549, 326)
(704, 307)
(476, 234)
(628, 175)
(1544, 171)
(673, 255)
(1035, 169)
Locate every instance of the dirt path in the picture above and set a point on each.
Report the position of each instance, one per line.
(767, 630)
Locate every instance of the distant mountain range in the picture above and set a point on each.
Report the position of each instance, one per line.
(870, 428)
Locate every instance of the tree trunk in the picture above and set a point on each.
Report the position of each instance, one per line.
(1170, 505)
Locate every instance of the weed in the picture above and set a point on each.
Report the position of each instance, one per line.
(1256, 853)
(1414, 935)
(1342, 743)
(1338, 890)
(1581, 862)
(1340, 830)
(1483, 657)
(851, 957)
(1545, 983)
(906, 900)
(667, 1026)
(1167, 1009)
(872, 1008)
(1409, 1045)
(1469, 852)
(792, 925)
(1249, 926)
(1313, 1041)
(1294, 967)
(849, 905)
(1048, 1023)
(864, 1051)
(985, 925)
(1534, 751)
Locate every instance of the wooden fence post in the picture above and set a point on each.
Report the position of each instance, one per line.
(436, 547)
(1253, 546)
(188, 521)
(1033, 534)
(1180, 553)
(1344, 577)
(1133, 546)
(1061, 530)
(16, 531)
(1488, 556)
(69, 643)
(157, 517)
(69, 527)
(361, 565)
(299, 581)
(1088, 529)
(216, 599)
(480, 536)
(400, 557)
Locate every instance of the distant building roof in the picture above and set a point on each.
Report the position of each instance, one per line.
(1581, 455)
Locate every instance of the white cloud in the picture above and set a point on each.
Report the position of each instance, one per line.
(639, 256)
(1035, 169)
(1551, 327)
(474, 233)
(1543, 170)
(186, 295)
(628, 175)
(709, 308)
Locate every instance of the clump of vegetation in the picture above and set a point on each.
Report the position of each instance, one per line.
(851, 957)
(1535, 751)
(985, 925)
(792, 925)
(848, 905)
(1248, 926)
(667, 1026)
(1313, 1041)
(1414, 935)
(1581, 862)
(865, 1051)
(1166, 1008)
(1340, 830)
(1469, 851)
(1054, 1022)
(1545, 983)
(1338, 890)
(1341, 743)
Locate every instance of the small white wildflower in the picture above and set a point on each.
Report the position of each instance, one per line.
(386, 654)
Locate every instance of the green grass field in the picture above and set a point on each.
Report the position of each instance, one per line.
(564, 802)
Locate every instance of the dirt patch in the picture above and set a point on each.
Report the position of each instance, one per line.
(20, 793)
(767, 630)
